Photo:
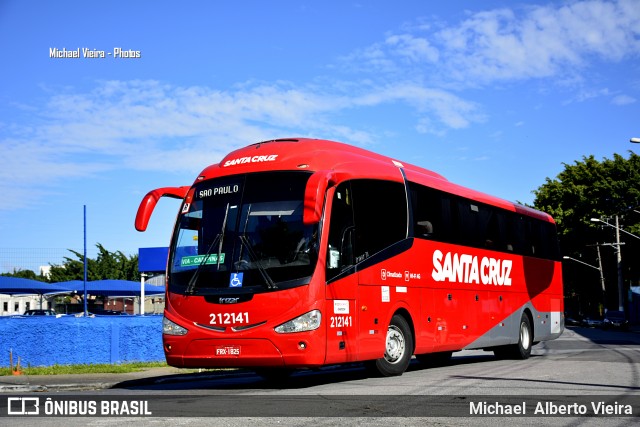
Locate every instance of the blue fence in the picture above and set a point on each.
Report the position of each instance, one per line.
(49, 340)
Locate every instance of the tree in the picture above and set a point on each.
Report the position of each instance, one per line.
(107, 265)
(26, 274)
(592, 189)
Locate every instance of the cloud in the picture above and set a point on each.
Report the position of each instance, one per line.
(623, 100)
(154, 126)
(450, 110)
(414, 49)
(554, 41)
(584, 94)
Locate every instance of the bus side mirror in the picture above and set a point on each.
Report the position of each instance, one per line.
(314, 196)
(148, 203)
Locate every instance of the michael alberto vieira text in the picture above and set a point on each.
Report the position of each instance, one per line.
(550, 408)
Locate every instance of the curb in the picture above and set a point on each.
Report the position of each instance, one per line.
(119, 381)
(54, 387)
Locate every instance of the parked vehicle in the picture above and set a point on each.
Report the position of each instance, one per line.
(570, 320)
(108, 312)
(615, 320)
(591, 322)
(40, 313)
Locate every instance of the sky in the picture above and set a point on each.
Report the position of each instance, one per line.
(494, 95)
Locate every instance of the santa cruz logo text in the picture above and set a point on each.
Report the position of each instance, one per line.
(464, 268)
(254, 159)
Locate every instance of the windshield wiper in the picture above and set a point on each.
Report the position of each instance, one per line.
(252, 255)
(244, 230)
(192, 282)
(220, 237)
(224, 226)
(263, 272)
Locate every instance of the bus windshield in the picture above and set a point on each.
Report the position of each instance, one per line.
(243, 233)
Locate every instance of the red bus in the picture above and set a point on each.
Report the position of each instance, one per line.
(301, 253)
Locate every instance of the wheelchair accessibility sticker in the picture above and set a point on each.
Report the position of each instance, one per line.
(236, 280)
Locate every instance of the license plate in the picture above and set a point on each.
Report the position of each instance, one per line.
(228, 350)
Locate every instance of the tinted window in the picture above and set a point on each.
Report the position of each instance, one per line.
(367, 216)
(380, 213)
(448, 218)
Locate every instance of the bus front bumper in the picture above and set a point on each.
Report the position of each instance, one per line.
(297, 351)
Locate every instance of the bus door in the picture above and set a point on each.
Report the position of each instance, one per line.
(368, 228)
(342, 282)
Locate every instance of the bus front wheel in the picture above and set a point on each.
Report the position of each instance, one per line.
(398, 348)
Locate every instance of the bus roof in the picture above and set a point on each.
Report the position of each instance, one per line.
(346, 161)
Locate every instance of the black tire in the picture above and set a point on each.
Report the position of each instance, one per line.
(398, 348)
(521, 350)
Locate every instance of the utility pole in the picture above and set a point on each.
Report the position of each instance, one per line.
(600, 268)
(619, 261)
(618, 245)
(604, 292)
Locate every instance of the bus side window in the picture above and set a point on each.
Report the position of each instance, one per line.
(380, 216)
(517, 234)
(341, 234)
(427, 205)
(367, 216)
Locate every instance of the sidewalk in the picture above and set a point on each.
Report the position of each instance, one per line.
(77, 382)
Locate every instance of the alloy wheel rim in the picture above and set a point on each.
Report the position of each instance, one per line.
(395, 344)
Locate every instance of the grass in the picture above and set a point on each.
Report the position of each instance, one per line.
(100, 368)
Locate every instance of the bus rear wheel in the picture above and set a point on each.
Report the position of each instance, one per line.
(521, 350)
(398, 348)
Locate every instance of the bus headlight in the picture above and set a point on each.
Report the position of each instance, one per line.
(307, 322)
(170, 328)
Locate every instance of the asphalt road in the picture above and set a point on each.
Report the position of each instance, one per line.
(584, 370)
